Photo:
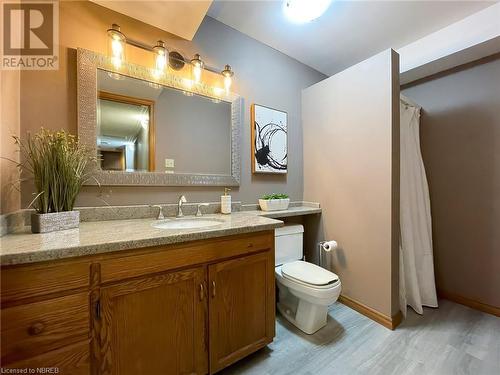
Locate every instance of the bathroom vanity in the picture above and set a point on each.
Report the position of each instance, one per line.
(107, 300)
(130, 295)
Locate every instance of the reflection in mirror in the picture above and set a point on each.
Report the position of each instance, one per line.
(143, 126)
(125, 137)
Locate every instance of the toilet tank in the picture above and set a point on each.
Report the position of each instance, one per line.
(288, 245)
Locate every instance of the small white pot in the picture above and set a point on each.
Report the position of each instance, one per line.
(274, 204)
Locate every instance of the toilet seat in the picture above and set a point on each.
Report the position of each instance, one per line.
(309, 275)
(305, 305)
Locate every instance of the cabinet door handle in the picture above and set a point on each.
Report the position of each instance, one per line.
(202, 292)
(98, 309)
(213, 289)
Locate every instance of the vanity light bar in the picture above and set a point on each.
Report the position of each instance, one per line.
(175, 59)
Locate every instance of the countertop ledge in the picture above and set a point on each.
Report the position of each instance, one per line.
(108, 236)
(292, 211)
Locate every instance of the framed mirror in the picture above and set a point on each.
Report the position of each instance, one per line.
(148, 130)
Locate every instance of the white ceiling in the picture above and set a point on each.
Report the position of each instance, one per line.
(121, 120)
(349, 32)
(181, 18)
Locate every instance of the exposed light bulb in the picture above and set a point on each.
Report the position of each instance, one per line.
(197, 74)
(161, 62)
(301, 11)
(117, 53)
(227, 73)
(197, 68)
(161, 54)
(117, 48)
(117, 62)
(227, 84)
(116, 45)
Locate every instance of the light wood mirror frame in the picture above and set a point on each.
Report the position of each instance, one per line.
(88, 63)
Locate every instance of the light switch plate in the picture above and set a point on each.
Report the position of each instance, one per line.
(169, 163)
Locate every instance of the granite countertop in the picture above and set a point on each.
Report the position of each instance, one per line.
(106, 236)
(291, 211)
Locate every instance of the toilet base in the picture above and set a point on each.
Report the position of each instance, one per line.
(306, 316)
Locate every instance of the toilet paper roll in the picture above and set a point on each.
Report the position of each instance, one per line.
(329, 245)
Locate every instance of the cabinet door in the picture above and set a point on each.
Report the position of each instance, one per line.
(241, 308)
(155, 325)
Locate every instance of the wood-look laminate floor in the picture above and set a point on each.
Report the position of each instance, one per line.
(452, 339)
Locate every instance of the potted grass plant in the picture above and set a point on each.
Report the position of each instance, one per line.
(274, 202)
(57, 163)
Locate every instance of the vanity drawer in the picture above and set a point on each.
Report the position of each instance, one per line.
(70, 360)
(27, 281)
(35, 328)
(159, 259)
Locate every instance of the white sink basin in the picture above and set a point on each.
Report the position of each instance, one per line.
(187, 223)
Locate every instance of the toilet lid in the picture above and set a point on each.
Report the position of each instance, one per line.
(308, 273)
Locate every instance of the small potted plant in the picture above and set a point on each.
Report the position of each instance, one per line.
(274, 202)
(57, 163)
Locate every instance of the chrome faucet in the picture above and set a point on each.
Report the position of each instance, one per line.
(160, 212)
(200, 205)
(182, 199)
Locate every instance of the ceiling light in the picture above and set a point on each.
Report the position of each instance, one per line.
(197, 66)
(161, 54)
(116, 45)
(301, 11)
(163, 59)
(227, 73)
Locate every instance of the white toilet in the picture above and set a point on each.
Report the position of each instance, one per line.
(305, 290)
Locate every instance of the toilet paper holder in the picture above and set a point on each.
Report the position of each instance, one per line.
(325, 247)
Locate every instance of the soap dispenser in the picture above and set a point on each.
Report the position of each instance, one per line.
(225, 202)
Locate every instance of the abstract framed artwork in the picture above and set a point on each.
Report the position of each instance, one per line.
(269, 140)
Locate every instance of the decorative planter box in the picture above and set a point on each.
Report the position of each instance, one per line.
(43, 223)
(274, 204)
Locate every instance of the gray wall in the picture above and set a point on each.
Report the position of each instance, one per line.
(351, 166)
(460, 139)
(193, 131)
(262, 75)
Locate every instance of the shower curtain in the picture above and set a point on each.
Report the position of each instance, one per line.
(416, 266)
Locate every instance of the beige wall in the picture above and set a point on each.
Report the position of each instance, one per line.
(460, 139)
(351, 166)
(10, 199)
(262, 75)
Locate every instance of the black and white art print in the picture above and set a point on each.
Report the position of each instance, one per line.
(269, 140)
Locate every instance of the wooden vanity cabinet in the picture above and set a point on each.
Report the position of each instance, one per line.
(45, 317)
(155, 325)
(192, 308)
(241, 308)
